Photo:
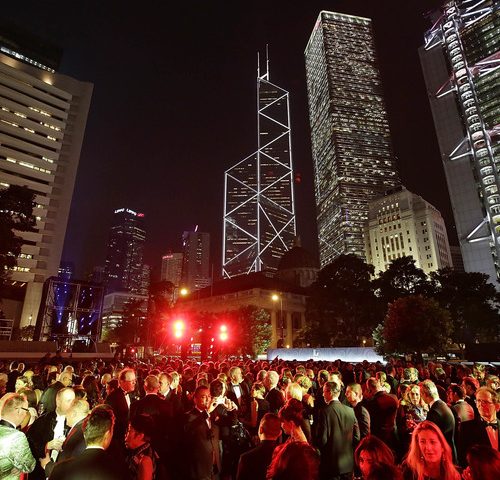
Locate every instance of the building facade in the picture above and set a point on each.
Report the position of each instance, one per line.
(462, 74)
(114, 307)
(124, 269)
(196, 260)
(351, 142)
(403, 224)
(259, 210)
(171, 268)
(43, 116)
(285, 303)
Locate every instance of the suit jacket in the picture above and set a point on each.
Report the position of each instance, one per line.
(363, 418)
(160, 411)
(201, 447)
(244, 402)
(92, 464)
(474, 432)
(337, 434)
(442, 416)
(254, 463)
(15, 452)
(73, 446)
(41, 432)
(116, 400)
(48, 398)
(276, 400)
(383, 408)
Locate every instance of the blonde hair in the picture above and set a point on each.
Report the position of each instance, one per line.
(415, 460)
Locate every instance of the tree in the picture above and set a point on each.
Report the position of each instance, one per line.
(473, 304)
(415, 324)
(131, 328)
(252, 330)
(159, 308)
(401, 278)
(16, 215)
(342, 307)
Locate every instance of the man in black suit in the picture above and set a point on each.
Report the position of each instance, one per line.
(254, 463)
(337, 434)
(201, 449)
(439, 413)
(158, 408)
(48, 400)
(274, 396)
(354, 395)
(74, 444)
(238, 391)
(49, 431)
(119, 401)
(484, 429)
(382, 408)
(95, 462)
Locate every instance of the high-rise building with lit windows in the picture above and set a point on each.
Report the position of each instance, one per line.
(351, 141)
(461, 64)
(259, 210)
(42, 123)
(195, 260)
(124, 269)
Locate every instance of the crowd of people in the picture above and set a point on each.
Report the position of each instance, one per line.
(235, 419)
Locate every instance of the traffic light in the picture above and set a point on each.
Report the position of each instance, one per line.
(223, 335)
(179, 329)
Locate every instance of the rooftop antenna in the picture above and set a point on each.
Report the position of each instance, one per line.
(267, 62)
(258, 65)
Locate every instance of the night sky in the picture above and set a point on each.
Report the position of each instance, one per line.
(174, 106)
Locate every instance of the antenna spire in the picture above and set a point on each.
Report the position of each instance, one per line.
(267, 62)
(258, 65)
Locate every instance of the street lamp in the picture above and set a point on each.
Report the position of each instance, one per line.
(275, 298)
(184, 292)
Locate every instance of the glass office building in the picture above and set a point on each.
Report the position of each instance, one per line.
(351, 141)
(461, 64)
(259, 210)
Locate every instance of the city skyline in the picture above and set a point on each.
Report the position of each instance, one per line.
(162, 124)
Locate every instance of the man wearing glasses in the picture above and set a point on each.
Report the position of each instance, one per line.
(15, 454)
(483, 430)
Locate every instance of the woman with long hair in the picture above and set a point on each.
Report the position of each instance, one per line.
(484, 463)
(293, 422)
(294, 461)
(429, 457)
(412, 411)
(371, 452)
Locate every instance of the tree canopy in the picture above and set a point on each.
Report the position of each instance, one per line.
(16, 215)
(342, 307)
(415, 324)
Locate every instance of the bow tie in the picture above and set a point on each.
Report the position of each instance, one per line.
(493, 425)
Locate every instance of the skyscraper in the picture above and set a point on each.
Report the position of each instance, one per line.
(351, 143)
(196, 260)
(401, 224)
(259, 210)
(124, 266)
(171, 268)
(42, 123)
(460, 62)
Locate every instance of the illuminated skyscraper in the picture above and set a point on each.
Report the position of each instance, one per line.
(171, 268)
(196, 260)
(259, 210)
(43, 115)
(351, 142)
(461, 64)
(124, 266)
